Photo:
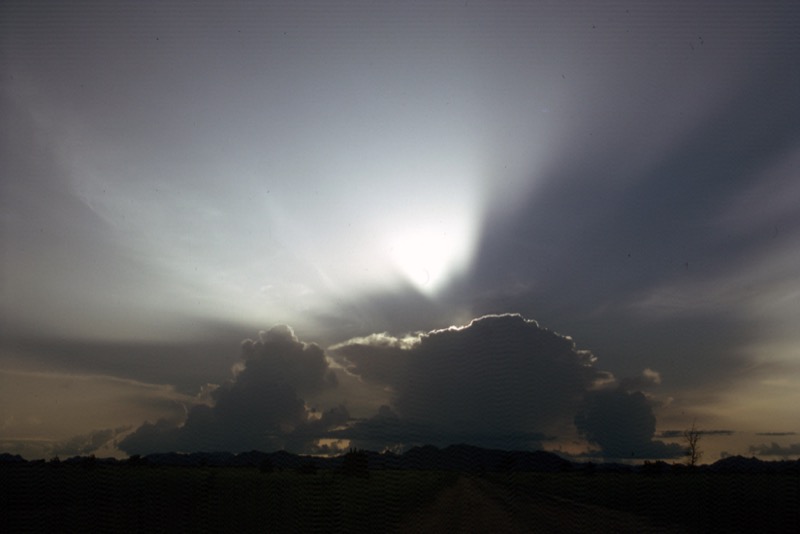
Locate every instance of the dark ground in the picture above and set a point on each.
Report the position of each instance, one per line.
(40, 497)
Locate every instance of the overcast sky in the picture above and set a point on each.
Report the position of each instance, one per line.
(613, 187)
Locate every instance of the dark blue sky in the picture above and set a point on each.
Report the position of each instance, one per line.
(178, 176)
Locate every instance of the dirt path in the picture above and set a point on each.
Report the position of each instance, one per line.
(477, 505)
(462, 507)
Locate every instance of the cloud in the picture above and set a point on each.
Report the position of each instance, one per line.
(623, 424)
(386, 430)
(87, 443)
(647, 379)
(161, 436)
(279, 356)
(502, 380)
(259, 408)
(305, 437)
(776, 433)
(679, 433)
(54, 407)
(773, 449)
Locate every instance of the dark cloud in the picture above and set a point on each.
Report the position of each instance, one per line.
(304, 438)
(717, 432)
(501, 381)
(386, 430)
(680, 433)
(623, 424)
(776, 433)
(278, 356)
(260, 408)
(773, 449)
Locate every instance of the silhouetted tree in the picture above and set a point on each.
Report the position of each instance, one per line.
(693, 452)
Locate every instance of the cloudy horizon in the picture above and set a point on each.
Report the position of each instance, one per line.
(304, 225)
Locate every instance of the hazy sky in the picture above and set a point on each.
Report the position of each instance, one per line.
(177, 177)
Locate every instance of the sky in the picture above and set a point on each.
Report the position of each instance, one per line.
(568, 226)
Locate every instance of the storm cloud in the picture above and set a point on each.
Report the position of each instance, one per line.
(501, 381)
(261, 407)
(497, 374)
(623, 424)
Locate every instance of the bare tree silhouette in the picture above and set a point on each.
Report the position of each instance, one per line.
(692, 437)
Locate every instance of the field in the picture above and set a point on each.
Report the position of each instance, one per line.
(180, 499)
(688, 502)
(72, 498)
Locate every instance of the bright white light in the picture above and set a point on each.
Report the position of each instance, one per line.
(428, 258)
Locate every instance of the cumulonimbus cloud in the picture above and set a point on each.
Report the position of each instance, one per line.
(500, 373)
(623, 424)
(502, 381)
(259, 408)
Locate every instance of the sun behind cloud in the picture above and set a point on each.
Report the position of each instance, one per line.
(428, 257)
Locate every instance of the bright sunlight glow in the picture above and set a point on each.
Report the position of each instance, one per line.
(428, 258)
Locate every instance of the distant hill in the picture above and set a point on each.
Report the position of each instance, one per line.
(462, 458)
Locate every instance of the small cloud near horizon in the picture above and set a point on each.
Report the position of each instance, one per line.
(773, 449)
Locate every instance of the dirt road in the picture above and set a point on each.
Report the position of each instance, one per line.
(477, 505)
